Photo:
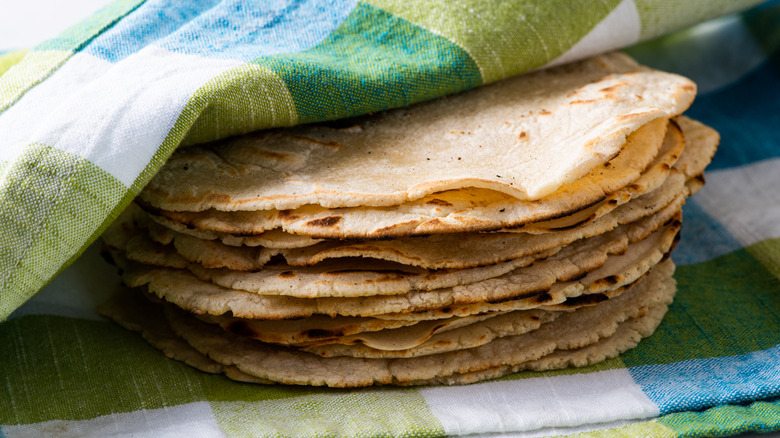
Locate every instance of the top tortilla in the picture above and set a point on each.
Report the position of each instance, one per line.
(524, 137)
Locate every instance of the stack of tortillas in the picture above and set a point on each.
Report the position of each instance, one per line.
(526, 224)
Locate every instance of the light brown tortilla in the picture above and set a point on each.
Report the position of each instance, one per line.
(475, 209)
(701, 143)
(286, 365)
(513, 129)
(439, 251)
(422, 339)
(626, 336)
(186, 291)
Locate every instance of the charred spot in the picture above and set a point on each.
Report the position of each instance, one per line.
(522, 135)
(584, 300)
(241, 328)
(666, 166)
(607, 164)
(675, 222)
(446, 310)
(634, 187)
(543, 298)
(328, 221)
(287, 274)
(668, 253)
(612, 279)
(322, 333)
(534, 318)
(437, 201)
(700, 178)
(613, 202)
(537, 295)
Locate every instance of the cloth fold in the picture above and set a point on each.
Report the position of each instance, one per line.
(87, 118)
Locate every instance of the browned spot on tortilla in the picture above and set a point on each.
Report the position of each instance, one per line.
(544, 112)
(543, 298)
(328, 144)
(327, 221)
(584, 300)
(613, 202)
(668, 253)
(534, 318)
(287, 274)
(437, 201)
(612, 279)
(642, 311)
(675, 222)
(688, 87)
(241, 328)
(612, 87)
(573, 102)
(445, 310)
(443, 343)
(537, 296)
(522, 135)
(288, 215)
(700, 178)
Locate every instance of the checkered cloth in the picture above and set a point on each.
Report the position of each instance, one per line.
(88, 117)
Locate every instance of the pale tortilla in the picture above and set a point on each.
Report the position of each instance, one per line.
(525, 136)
